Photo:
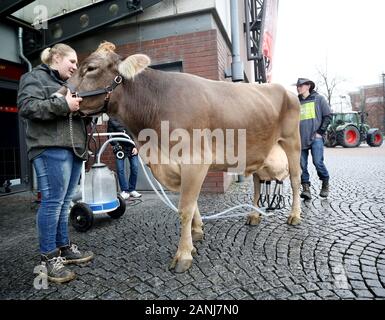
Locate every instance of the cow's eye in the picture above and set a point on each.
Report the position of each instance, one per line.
(91, 68)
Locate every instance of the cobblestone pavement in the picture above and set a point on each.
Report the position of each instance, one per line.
(337, 252)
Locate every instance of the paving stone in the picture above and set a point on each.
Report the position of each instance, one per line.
(355, 276)
(239, 294)
(374, 283)
(325, 293)
(378, 292)
(363, 294)
(310, 286)
(358, 284)
(110, 295)
(311, 296)
(345, 294)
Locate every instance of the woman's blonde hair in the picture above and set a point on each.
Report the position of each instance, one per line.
(60, 48)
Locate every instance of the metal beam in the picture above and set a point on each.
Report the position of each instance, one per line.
(254, 28)
(254, 16)
(14, 21)
(84, 20)
(8, 7)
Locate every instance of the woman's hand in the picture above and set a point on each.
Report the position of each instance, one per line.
(73, 103)
(134, 152)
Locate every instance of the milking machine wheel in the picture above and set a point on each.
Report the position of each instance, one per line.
(119, 211)
(81, 217)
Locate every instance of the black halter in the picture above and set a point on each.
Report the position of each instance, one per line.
(107, 91)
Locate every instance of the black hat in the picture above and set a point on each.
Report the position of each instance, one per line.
(301, 81)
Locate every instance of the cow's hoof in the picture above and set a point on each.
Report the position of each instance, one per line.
(294, 220)
(194, 251)
(183, 265)
(197, 235)
(253, 219)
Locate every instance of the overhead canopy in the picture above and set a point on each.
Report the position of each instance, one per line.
(8, 7)
(46, 24)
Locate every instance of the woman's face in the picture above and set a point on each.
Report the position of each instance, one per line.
(65, 65)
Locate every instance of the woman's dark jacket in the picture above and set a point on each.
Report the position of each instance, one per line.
(46, 116)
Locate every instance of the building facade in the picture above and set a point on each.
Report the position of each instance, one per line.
(370, 99)
(178, 35)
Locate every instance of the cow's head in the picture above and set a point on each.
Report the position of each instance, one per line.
(99, 70)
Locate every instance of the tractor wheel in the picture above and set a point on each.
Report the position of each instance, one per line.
(81, 217)
(374, 138)
(349, 137)
(330, 142)
(119, 211)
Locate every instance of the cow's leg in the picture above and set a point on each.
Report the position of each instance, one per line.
(292, 150)
(197, 225)
(192, 177)
(254, 218)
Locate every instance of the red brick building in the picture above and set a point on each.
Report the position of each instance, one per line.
(178, 35)
(374, 104)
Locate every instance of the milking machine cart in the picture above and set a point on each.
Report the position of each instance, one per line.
(99, 190)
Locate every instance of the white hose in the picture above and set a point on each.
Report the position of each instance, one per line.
(168, 202)
(164, 198)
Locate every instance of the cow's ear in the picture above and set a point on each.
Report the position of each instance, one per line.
(133, 65)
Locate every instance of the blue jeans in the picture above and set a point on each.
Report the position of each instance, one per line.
(317, 153)
(58, 173)
(131, 184)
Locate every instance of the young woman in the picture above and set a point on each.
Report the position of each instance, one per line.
(56, 143)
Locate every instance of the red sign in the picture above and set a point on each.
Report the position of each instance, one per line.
(270, 29)
(10, 71)
(11, 109)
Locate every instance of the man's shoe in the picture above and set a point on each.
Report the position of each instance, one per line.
(135, 194)
(306, 194)
(325, 189)
(55, 270)
(125, 195)
(73, 255)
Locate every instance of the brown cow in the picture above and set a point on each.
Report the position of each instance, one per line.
(269, 114)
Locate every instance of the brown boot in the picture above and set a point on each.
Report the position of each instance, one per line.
(325, 189)
(54, 268)
(72, 254)
(306, 194)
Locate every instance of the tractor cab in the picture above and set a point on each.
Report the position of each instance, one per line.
(342, 118)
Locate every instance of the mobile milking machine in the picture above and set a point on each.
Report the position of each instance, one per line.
(99, 191)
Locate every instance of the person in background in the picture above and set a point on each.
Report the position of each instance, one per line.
(315, 118)
(56, 145)
(131, 152)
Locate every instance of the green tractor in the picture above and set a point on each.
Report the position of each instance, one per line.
(349, 130)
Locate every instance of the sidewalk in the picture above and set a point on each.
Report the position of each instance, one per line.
(337, 252)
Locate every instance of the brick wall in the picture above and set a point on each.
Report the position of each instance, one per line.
(374, 105)
(205, 54)
(197, 51)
